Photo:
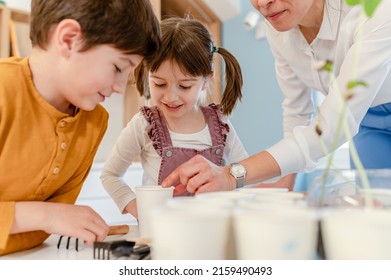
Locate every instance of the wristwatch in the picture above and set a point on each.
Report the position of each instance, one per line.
(239, 172)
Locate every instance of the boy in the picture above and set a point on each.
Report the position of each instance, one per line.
(50, 121)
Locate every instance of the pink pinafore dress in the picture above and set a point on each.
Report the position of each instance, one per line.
(172, 156)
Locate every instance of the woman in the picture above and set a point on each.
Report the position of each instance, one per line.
(303, 33)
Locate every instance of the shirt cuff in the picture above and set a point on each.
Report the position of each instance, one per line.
(124, 200)
(289, 156)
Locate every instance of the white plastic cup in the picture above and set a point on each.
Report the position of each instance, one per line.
(190, 233)
(272, 234)
(282, 195)
(194, 203)
(232, 196)
(357, 234)
(293, 198)
(262, 190)
(186, 202)
(149, 197)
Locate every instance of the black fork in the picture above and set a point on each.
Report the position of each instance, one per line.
(113, 230)
(68, 242)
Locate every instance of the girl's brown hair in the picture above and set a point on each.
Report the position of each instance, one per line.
(189, 43)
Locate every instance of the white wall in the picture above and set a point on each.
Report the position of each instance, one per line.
(258, 118)
(115, 106)
(19, 4)
(224, 9)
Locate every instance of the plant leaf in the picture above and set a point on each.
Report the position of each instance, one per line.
(353, 84)
(329, 66)
(370, 6)
(352, 2)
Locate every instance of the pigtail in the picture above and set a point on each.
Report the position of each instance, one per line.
(233, 81)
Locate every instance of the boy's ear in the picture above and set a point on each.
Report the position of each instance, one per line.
(68, 37)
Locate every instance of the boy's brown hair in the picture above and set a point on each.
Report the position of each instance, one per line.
(128, 25)
(190, 44)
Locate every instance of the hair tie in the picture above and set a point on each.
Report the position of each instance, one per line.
(215, 49)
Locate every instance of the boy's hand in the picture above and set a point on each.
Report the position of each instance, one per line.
(75, 221)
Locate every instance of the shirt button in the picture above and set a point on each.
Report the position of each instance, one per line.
(56, 170)
(168, 153)
(63, 145)
(218, 151)
(62, 124)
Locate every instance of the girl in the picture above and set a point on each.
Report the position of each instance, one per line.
(179, 126)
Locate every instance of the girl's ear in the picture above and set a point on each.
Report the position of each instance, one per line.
(206, 80)
(67, 37)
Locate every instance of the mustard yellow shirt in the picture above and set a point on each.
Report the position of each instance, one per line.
(45, 155)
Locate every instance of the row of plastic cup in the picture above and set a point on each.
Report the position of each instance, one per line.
(263, 224)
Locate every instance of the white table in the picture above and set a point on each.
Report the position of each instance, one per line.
(48, 250)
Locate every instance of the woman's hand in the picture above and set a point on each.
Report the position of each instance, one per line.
(199, 175)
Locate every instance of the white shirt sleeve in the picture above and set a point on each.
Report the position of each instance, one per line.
(128, 145)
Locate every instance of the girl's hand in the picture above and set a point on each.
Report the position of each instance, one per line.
(131, 208)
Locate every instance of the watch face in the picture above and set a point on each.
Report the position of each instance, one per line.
(238, 170)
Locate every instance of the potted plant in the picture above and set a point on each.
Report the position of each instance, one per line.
(333, 186)
(354, 223)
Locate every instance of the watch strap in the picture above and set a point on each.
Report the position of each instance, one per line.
(239, 182)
